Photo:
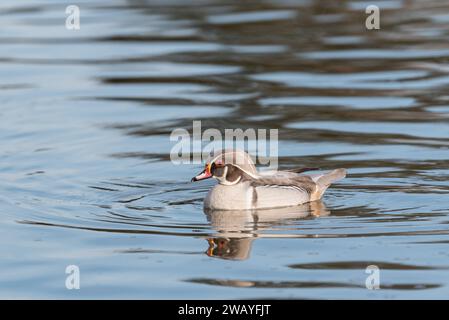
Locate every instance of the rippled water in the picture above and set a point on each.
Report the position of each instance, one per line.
(85, 175)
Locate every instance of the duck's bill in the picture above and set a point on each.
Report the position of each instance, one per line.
(205, 174)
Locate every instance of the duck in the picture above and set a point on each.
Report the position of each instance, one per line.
(242, 187)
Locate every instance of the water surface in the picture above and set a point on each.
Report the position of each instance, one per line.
(85, 171)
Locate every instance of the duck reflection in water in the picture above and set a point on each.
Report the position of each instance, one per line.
(236, 230)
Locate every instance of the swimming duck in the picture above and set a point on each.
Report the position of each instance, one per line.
(242, 187)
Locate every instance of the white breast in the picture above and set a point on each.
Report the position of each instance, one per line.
(234, 197)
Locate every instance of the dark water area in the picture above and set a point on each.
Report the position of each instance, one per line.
(85, 171)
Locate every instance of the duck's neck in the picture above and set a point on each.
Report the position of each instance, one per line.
(230, 183)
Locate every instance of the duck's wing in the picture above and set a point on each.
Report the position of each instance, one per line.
(287, 187)
(301, 170)
(290, 173)
(279, 190)
(285, 180)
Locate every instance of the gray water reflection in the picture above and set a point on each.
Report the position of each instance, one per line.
(236, 230)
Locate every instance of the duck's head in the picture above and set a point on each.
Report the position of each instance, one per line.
(228, 167)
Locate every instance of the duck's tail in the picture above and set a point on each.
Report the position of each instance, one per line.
(325, 180)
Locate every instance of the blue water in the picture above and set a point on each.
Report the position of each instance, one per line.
(85, 171)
